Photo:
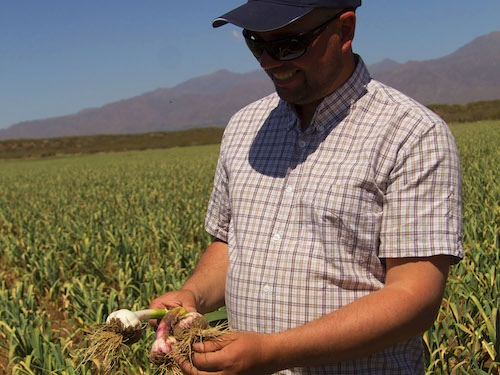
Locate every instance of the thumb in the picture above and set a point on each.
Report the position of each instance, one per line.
(190, 308)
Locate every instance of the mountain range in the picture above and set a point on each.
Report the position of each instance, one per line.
(472, 73)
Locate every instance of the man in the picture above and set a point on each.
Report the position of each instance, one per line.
(336, 210)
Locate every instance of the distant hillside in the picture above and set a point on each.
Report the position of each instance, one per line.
(384, 66)
(470, 74)
(206, 101)
(37, 148)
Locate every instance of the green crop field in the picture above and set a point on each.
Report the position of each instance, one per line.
(81, 236)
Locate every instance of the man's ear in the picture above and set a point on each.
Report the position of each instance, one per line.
(347, 29)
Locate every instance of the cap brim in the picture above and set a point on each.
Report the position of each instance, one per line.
(256, 16)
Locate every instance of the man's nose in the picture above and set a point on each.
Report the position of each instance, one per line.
(268, 62)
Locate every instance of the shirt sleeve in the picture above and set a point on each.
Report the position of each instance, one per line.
(422, 213)
(218, 211)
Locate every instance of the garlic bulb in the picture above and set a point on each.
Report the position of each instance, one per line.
(126, 317)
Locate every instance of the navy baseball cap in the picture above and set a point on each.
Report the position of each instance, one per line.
(266, 15)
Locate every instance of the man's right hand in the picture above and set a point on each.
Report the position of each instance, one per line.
(182, 297)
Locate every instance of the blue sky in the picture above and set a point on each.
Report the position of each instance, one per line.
(60, 56)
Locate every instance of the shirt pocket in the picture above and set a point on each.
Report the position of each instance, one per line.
(344, 220)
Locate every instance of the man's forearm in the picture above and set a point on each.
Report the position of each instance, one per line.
(209, 278)
(403, 309)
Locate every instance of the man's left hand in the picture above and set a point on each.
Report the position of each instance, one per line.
(233, 353)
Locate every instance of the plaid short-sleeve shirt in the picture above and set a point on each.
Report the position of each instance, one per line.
(310, 216)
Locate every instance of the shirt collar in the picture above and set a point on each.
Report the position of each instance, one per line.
(335, 105)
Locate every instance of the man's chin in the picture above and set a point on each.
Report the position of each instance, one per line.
(295, 98)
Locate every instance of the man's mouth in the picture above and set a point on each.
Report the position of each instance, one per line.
(283, 76)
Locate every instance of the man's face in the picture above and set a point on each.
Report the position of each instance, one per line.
(311, 77)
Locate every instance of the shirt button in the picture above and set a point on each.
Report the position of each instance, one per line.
(276, 238)
(266, 288)
(302, 144)
(289, 189)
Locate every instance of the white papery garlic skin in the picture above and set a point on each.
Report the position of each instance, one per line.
(126, 317)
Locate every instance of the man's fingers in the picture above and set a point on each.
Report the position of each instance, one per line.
(206, 362)
(154, 323)
(208, 346)
(206, 359)
(189, 367)
(213, 345)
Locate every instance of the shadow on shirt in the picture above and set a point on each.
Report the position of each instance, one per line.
(277, 147)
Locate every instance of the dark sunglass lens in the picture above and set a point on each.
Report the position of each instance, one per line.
(282, 50)
(255, 47)
(290, 50)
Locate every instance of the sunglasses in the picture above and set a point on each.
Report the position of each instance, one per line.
(289, 48)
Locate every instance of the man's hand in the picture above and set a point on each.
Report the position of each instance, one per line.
(184, 298)
(234, 353)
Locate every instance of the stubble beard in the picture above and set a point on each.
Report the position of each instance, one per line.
(313, 89)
